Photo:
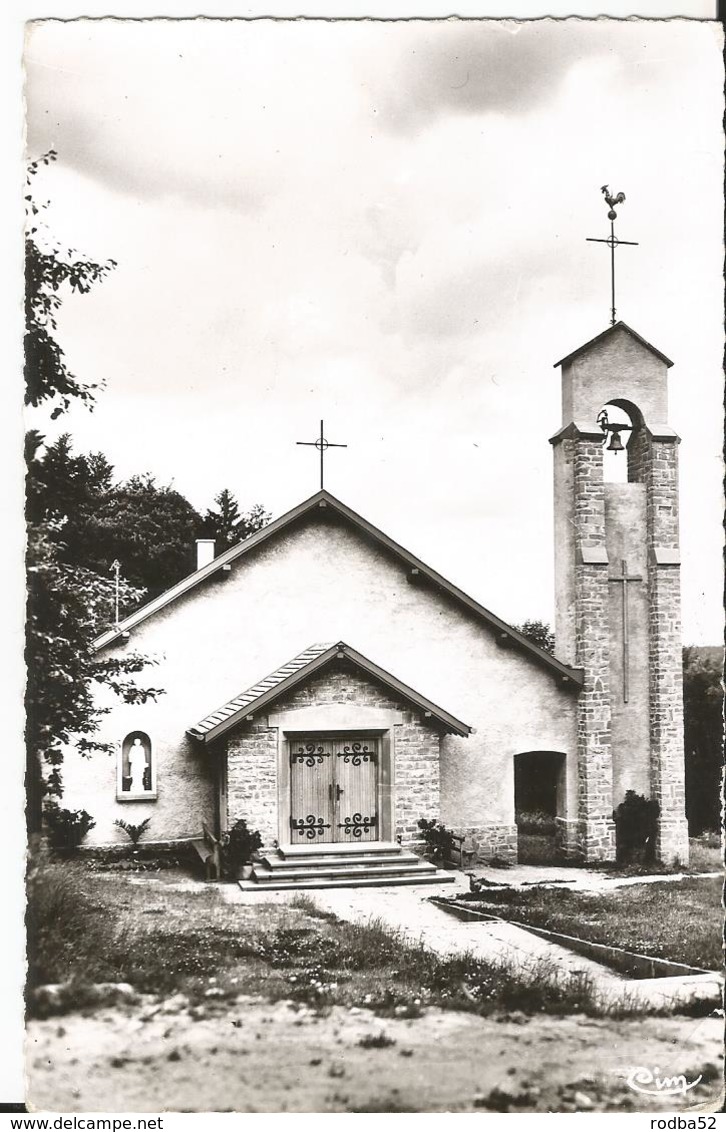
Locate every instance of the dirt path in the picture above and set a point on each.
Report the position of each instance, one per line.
(254, 1056)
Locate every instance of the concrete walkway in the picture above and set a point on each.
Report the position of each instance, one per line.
(408, 911)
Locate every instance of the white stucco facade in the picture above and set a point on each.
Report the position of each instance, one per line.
(322, 579)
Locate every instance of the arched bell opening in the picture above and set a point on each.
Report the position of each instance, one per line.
(539, 800)
(623, 429)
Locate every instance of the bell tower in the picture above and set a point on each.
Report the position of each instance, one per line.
(617, 586)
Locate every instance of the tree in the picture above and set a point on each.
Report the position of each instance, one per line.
(67, 604)
(63, 486)
(68, 607)
(703, 735)
(227, 525)
(150, 529)
(48, 270)
(539, 633)
(222, 523)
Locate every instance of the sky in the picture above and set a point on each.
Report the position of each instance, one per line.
(384, 225)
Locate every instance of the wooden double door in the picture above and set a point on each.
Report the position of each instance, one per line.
(334, 790)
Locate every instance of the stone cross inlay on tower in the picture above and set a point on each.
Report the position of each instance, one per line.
(623, 578)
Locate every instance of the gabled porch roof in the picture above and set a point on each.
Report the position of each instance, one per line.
(297, 670)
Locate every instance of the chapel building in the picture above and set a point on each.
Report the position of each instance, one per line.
(331, 689)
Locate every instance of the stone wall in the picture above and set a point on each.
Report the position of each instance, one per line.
(252, 779)
(666, 659)
(592, 651)
(636, 744)
(416, 776)
(253, 753)
(490, 841)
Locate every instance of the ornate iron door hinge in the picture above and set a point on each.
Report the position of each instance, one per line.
(357, 825)
(310, 754)
(357, 753)
(310, 827)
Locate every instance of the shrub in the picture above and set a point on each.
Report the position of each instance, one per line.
(535, 821)
(635, 828)
(438, 839)
(67, 828)
(62, 925)
(238, 846)
(135, 832)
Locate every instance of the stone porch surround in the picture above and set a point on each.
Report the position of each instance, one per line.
(252, 762)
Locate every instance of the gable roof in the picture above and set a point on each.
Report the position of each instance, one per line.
(610, 330)
(506, 634)
(294, 673)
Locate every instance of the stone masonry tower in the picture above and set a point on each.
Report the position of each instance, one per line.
(617, 581)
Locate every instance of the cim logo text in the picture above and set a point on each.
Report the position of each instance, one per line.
(649, 1081)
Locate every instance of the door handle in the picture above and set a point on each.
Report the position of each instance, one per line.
(339, 792)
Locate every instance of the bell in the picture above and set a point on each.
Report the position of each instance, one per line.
(616, 444)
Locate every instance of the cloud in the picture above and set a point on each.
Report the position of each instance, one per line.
(473, 68)
(321, 219)
(512, 67)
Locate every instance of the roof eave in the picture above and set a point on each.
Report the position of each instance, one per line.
(323, 498)
(609, 330)
(265, 699)
(340, 650)
(208, 571)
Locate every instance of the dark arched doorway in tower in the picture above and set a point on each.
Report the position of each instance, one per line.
(538, 800)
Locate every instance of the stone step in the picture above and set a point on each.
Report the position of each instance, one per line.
(342, 848)
(277, 861)
(436, 877)
(321, 869)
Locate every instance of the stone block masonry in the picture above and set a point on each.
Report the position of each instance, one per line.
(417, 780)
(252, 754)
(666, 658)
(619, 368)
(490, 842)
(252, 779)
(596, 830)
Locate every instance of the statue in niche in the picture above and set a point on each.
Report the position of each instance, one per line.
(137, 766)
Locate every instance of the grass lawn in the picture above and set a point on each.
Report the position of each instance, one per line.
(86, 927)
(679, 920)
(705, 853)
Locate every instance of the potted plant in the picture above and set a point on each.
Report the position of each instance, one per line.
(238, 846)
(439, 840)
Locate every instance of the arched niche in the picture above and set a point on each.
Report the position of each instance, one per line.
(623, 427)
(136, 770)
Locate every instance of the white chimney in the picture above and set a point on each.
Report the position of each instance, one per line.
(205, 552)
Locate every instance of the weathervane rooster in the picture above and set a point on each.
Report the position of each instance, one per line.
(612, 241)
(612, 201)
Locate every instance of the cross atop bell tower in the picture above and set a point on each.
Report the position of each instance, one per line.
(612, 241)
(617, 586)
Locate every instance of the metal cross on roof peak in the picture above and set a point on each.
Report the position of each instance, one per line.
(116, 567)
(612, 241)
(322, 445)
